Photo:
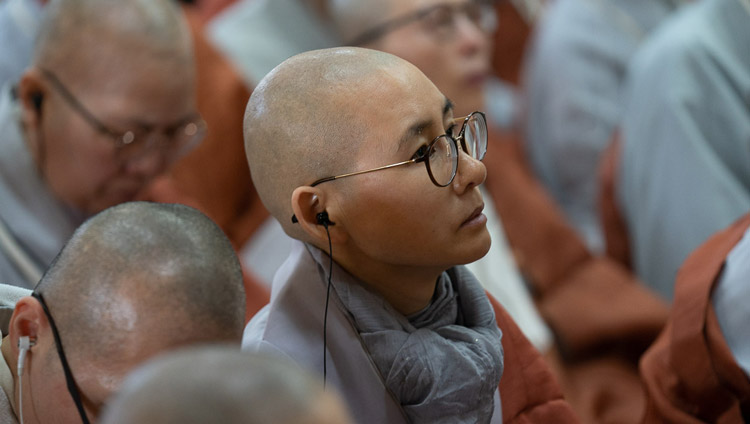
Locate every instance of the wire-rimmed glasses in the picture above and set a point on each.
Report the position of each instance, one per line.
(440, 156)
(176, 140)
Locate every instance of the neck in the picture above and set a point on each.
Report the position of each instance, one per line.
(408, 289)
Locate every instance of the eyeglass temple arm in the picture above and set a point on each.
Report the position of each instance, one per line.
(326, 179)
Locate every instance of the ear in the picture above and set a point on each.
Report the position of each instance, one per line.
(32, 90)
(307, 203)
(27, 320)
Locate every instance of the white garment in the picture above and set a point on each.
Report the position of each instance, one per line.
(731, 300)
(19, 20)
(572, 80)
(257, 35)
(499, 275)
(685, 161)
(39, 223)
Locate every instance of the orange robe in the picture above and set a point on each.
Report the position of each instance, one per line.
(690, 374)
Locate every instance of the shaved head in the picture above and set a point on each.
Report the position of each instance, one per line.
(89, 38)
(162, 272)
(220, 384)
(304, 120)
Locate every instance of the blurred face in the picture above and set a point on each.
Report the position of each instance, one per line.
(90, 168)
(447, 45)
(398, 217)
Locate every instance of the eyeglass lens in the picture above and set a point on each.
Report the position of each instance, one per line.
(442, 161)
(443, 18)
(175, 142)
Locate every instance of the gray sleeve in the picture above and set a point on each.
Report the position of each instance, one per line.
(686, 151)
(731, 300)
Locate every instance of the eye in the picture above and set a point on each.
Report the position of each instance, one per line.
(452, 130)
(421, 152)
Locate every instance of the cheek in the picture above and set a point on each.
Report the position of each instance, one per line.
(76, 162)
(397, 217)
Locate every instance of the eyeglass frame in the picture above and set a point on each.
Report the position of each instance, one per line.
(384, 28)
(121, 139)
(424, 158)
(70, 381)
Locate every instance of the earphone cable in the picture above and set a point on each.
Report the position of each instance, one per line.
(325, 314)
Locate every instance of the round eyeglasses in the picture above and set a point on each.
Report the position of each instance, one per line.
(440, 156)
(176, 141)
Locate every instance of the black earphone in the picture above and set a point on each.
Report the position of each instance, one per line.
(323, 220)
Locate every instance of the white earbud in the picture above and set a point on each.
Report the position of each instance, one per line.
(24, 345)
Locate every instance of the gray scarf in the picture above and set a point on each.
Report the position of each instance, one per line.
(443, 363)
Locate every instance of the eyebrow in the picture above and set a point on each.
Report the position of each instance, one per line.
(418, 127)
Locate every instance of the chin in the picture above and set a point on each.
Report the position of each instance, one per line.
(475, 250)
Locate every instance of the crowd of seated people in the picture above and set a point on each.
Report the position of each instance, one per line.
(431, 210)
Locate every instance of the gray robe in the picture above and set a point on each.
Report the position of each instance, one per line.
(573, 77)
(685, 161)
(9, 295)
(36, 223)
(291, 325)
(19, 20)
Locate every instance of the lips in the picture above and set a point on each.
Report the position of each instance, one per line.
(474, 215)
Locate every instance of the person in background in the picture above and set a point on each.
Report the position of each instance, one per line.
(133, 281)
(107, 104)
(684, 167)
(223, 385)
(573, 83)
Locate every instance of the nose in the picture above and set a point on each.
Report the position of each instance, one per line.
(471, 173)
(149, 164)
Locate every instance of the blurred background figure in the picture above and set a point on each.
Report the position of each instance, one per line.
(223, 385)
(107, 105)
(573, 77)
(684, 170)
